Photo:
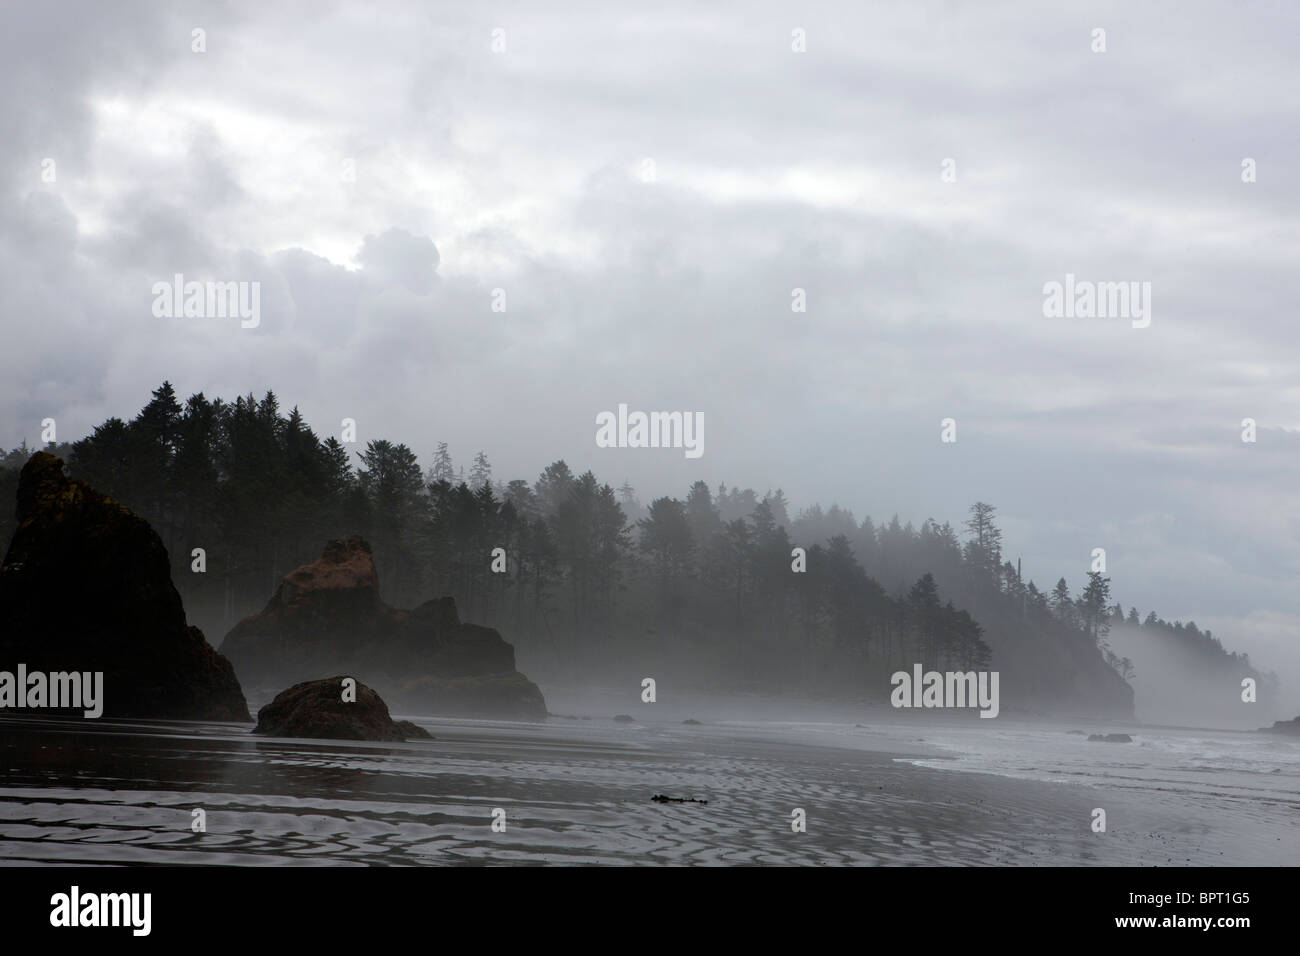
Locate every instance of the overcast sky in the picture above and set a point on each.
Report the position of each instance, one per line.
(525, 169)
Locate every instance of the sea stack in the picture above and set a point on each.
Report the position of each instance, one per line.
(86, 586)
(327, 617)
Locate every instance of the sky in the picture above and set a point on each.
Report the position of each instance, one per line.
(639, 192)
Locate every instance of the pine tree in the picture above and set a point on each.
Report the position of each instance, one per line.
(1092, 606)
(1061, 603)
(984, 550)
(480, 475)
(442, 468)
(666, 538)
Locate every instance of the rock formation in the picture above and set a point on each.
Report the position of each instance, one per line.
(86, 586)
(327, 617)
(318, 708)
(1290, 727)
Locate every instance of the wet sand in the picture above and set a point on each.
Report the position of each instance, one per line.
(573, 792)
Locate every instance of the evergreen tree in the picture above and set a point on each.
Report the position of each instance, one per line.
(1062, 603)
(553, 487)
(984, 550)
(702, 515)
(481, 474)
(1092, 607)
(666, 539)
(442, 468)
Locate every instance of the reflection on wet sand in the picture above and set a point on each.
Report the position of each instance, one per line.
(123, 793)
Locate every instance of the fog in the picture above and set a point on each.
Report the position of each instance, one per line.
(1175, 686)
(822, 233)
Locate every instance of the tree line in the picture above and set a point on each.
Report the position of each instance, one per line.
(586, 573)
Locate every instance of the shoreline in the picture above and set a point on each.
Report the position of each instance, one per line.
(576, 793)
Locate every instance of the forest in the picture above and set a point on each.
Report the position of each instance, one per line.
(593, 584)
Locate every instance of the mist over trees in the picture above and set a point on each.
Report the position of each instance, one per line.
(707, 585)
(1179, 671)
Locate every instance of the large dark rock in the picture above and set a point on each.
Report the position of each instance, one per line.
(327, 618)
(318, 709)
(1289, 727)
(86, 586)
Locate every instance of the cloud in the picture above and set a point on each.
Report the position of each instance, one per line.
(397, 258)
(525, 171)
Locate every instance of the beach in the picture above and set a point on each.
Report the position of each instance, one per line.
(578, 790)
